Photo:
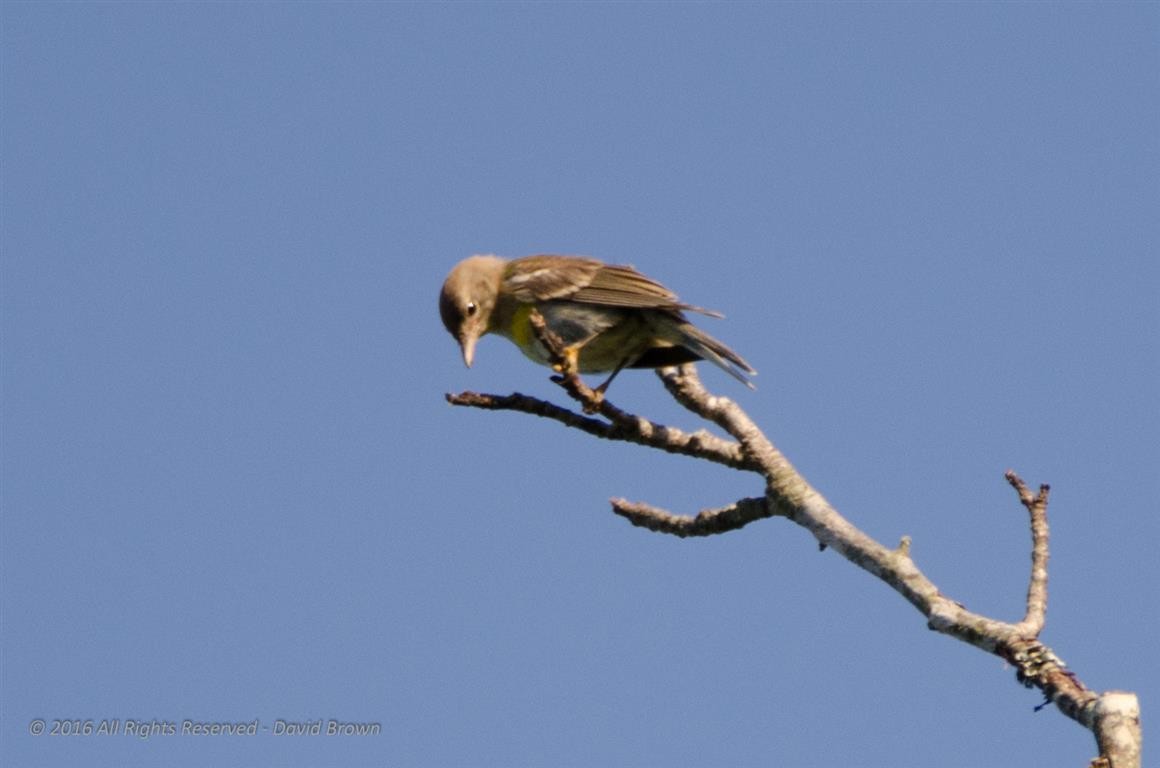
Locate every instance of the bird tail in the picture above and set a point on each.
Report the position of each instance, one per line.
(705, 346)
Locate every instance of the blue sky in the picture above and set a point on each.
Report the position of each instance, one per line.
(231, 487)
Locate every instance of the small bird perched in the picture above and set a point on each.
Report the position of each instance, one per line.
(608, 317)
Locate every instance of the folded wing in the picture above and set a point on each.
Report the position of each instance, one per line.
(589, 281)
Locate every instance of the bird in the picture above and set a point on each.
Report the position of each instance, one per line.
(608, 316)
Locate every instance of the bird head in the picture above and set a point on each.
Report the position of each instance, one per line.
(468, 297)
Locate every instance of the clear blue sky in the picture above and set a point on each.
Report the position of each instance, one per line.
(232, 488)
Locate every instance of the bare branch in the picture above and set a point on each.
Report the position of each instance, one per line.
(527, 404)
(706, 523)
(1032, 623)
(699, 444)
(1113, 717)
(685, 386)
(1116, 721)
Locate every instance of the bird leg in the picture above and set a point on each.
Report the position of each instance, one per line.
(604, 387)
(565, 360)
(569, 367)
(596, 398)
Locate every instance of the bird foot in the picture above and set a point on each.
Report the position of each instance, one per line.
(571, 362)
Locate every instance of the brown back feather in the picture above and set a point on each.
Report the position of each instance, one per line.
(575, 278)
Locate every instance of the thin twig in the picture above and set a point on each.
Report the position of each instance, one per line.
(699, 444)
(1036, 505)
(706, 523)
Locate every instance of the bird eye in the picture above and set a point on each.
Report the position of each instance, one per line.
(471, 308)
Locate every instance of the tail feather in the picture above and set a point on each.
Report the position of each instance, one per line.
(707, 347)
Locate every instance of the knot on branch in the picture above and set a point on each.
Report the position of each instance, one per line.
(1037, 666)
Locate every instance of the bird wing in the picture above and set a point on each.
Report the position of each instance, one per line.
(589, 281)
(543, 278)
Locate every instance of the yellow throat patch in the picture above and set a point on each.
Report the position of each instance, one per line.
(521, 328)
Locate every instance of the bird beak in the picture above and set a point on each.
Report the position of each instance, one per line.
(467, 344)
